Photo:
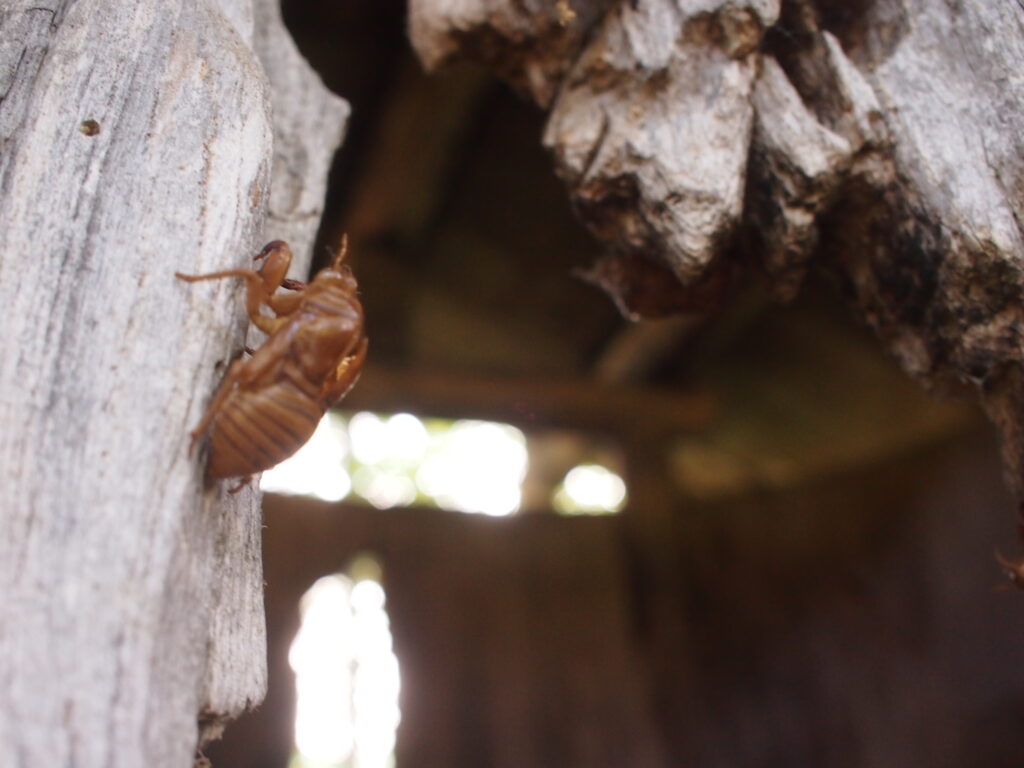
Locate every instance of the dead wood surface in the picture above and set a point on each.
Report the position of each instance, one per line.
(707, 139)
(137, 140)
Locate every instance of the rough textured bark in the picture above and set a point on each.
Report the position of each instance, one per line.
(705, 139)
(136, 141)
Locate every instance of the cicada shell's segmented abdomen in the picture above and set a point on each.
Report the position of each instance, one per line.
(255, 430)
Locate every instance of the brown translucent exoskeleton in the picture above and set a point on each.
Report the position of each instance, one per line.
(269, 405)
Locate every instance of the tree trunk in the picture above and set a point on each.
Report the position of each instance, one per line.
(137, 140)
(707, 139)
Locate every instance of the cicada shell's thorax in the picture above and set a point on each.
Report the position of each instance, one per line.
(334, 298)
(330, 331)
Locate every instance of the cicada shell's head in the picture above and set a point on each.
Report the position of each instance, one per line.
(277, 257)
(341, 279)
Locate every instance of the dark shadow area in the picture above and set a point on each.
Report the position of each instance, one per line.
(804, 572)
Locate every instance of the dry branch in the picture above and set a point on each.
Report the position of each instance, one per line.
(704, 138)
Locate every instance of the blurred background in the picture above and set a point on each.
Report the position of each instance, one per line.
(540, 535)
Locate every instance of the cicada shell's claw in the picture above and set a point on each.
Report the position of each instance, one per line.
(1014, 570)
(241, 484)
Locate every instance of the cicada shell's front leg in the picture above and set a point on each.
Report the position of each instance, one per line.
(260, 286)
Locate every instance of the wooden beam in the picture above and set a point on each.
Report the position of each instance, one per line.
(568, 403)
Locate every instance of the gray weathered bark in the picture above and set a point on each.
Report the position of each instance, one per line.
(137, 140)
(707, 138)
